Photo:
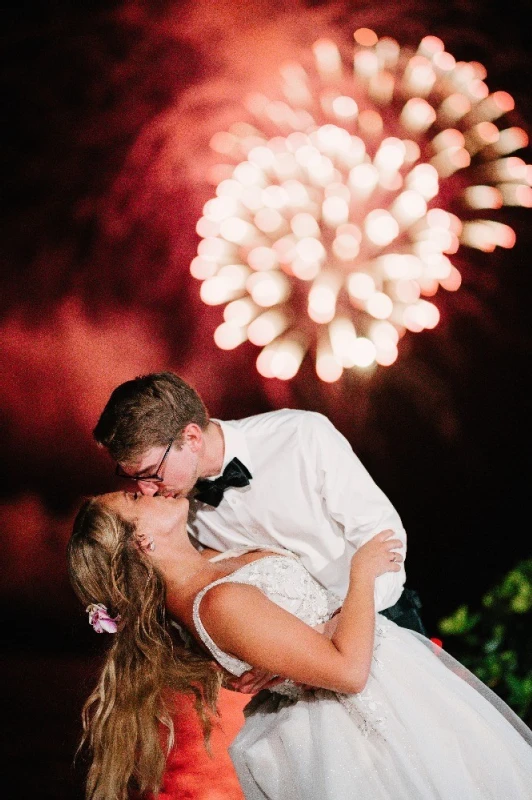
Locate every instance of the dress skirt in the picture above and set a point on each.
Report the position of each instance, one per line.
(424, 728)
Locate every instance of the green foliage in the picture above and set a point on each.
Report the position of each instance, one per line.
(495, 643)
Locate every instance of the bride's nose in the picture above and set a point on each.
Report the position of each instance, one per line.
(147, 487)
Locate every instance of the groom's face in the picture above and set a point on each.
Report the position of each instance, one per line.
(178, 473)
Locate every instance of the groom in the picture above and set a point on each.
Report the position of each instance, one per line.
(284, 478)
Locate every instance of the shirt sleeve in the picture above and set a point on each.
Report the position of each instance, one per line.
(352, 497)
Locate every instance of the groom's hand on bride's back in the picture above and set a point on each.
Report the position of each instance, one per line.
(251, 682)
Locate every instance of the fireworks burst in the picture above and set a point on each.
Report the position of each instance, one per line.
(339, 207)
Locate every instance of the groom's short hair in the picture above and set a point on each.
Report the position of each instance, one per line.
(146, 412)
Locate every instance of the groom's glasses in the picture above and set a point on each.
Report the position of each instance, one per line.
(155, 478)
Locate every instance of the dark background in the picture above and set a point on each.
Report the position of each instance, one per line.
(108, 109)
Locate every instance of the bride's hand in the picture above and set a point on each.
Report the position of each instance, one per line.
(379, 555)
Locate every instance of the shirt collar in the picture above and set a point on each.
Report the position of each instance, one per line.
(235, 445)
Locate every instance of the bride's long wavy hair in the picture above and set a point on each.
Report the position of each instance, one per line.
(129, 714)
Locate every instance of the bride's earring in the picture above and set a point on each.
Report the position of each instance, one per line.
(145, 542)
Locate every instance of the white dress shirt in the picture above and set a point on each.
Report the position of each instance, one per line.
(309, 494)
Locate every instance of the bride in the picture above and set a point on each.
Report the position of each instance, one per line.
(368, 710)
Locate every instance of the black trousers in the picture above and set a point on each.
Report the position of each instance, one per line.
(406, 612)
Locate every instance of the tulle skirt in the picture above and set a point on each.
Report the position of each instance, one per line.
(424, 728)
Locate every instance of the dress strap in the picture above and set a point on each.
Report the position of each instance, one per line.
(232, 664)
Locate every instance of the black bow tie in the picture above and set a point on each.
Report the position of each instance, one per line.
(211, 491)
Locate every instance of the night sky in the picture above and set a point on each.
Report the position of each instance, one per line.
(108, 109)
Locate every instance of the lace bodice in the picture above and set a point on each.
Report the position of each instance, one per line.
(286, 582)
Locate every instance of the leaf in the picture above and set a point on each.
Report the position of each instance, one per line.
(495, 643)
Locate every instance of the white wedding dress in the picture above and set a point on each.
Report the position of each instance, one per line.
(424, 728)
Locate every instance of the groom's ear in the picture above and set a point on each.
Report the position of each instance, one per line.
(193, 436)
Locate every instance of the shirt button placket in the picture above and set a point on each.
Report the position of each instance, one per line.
(240, 511)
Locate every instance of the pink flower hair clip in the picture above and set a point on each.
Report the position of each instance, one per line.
(100, 619)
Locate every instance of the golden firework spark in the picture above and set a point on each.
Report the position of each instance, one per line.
(331, 223)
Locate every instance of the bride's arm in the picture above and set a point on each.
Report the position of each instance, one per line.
(245, 623)
(257, 679)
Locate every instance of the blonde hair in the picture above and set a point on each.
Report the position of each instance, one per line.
(144, 668)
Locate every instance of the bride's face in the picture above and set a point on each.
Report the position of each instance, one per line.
(152, 516)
